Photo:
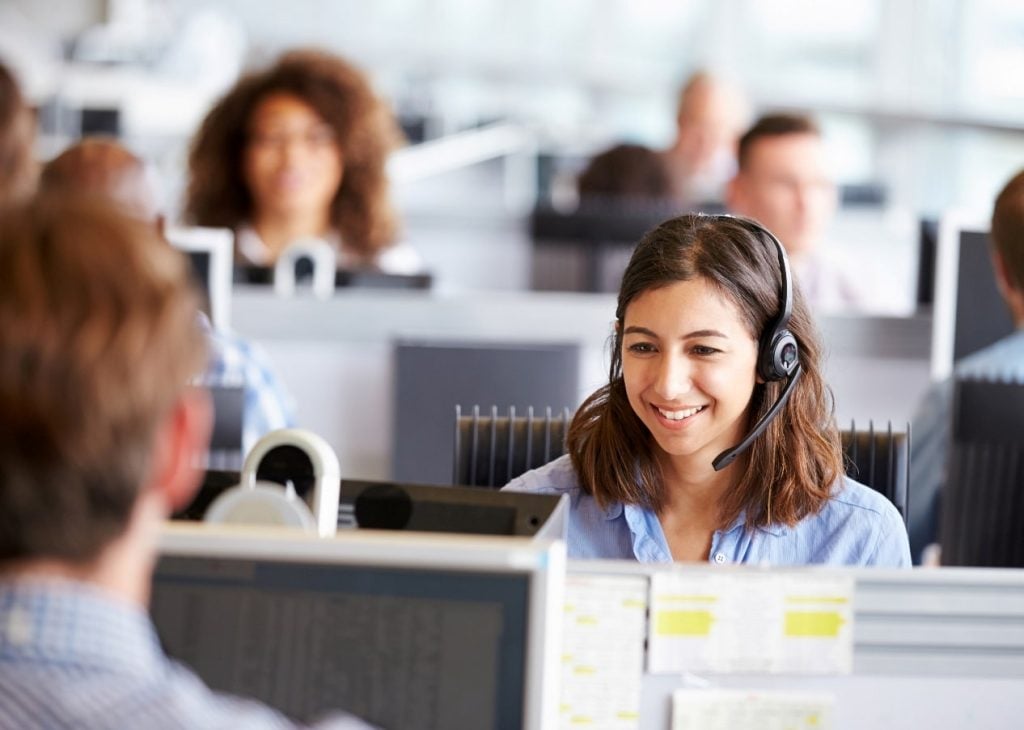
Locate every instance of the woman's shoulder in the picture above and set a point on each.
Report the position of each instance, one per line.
(555, 477)
(867, 523)
(849, 494)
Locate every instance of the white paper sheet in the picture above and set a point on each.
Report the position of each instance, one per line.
(603, 651)
(797, 623)
(720, 709)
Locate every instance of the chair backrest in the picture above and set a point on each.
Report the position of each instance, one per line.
(491, 450)
(880, 459)
(982, 514)
(432, 377)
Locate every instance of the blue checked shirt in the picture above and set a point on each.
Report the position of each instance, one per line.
(857, 526)
(235, 361)
(73, 657)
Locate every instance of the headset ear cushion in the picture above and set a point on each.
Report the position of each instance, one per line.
(781, 356)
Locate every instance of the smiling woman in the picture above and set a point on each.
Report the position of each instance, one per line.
(298, 152)
(714, 438)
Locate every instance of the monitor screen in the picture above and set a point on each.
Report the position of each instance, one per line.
(210, 251)
(969, 313)
(404, 631)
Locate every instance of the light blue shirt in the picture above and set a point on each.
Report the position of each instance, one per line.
(73, 657)
(236, 361)
(857, 526)
(932, 433)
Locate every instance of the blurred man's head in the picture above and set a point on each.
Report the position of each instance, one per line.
(710, 117)
(98, 340)
(103, 167)
(1008, 244)
(783, 181)
(17, 135)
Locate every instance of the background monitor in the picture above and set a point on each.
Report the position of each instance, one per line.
(431, 377)
(407, 631)
(211, 252)
(969, 312)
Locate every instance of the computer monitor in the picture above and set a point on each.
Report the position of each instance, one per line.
(969, 312)
(437, 508)
(407, 631)
(210, 251)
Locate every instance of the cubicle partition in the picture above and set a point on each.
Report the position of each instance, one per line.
(336, 356)
(430, 631)
(653, 648)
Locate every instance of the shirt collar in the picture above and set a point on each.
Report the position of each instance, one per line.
(615, 509)
(74, 624)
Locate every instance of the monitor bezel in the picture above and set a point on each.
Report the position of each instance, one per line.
(947, 264)
(544, 561)
(219, 243)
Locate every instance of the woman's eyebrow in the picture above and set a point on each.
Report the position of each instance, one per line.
(637, 330)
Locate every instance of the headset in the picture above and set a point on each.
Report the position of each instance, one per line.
(778, 356)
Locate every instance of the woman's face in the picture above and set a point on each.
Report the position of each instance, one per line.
(292, 163)
(689, 366)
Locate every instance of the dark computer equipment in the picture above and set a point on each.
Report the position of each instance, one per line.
(343, 278)
(100, 121)
(969, 313)
(403, 630)
(436, 508)
(863, 195)
(588, 249)
(433, 376)
(228, 426)
(927, 250)
(982, 509)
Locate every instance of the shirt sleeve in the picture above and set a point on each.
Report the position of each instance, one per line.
(892, 549)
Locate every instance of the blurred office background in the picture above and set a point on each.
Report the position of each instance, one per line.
(922, 102)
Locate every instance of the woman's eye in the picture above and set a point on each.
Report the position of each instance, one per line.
(704, 350)
(641, 347)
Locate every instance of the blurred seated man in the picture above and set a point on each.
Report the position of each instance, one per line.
(626, 173)
(98, 439)
(1003, 360)
(711, 115)
(103, 167)
(783, 181)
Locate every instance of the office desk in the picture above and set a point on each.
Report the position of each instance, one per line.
(335, 356)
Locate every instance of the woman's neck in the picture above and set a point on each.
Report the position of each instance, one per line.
(278, 230)
(691, 510)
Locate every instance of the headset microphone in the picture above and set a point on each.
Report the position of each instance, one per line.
(778, 356)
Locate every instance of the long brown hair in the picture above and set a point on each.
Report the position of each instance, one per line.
(364, 127)
(790, 469)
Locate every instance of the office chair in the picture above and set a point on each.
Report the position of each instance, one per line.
(491, 450)
(982, 514)
(880, 459)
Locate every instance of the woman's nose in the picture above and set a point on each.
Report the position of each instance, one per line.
(673, 377)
